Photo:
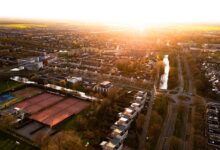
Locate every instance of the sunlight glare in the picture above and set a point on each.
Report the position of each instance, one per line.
(133, 13)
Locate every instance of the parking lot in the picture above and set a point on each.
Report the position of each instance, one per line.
(213, 124)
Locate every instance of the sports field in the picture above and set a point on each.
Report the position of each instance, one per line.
(6, 97)
(51, 109)
(38, 103)
(27, 92)
(9, 99)
(60, 111)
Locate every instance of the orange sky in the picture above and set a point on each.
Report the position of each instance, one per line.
(137, 13)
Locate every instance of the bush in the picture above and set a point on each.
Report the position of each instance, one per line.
(199, 125)
(157, 118)
(175, 143)
(140, 122)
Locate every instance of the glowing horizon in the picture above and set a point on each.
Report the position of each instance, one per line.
(137, 13)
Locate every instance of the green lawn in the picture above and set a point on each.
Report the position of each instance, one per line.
(11, 102)
(23, 26)
(8, 142)
(8, 85)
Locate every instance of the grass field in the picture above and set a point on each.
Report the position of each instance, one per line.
(204, 28)
(8, 85)
(23, 26)
(8, 142)
(197, 27)
(11, 102)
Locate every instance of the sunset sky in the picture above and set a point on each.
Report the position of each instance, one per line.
(126, 12)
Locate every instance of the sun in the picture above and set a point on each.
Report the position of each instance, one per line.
(134, 13)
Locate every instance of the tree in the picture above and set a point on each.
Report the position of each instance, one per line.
(175, 143)
(82, 123)
(33, 77)
(199, 142)
(156, 118)
(63, 83)
(6, 121)
(181, 110)
(113, 93)
(67, 140)
(41, 139)
(140, 122)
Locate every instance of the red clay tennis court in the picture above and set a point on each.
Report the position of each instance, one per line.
(27, 92)
(60, 111)
(39, 102)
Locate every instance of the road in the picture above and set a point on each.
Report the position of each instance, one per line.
(187, 142)
(167, 129)
(142, 138)
(184, 130)
(189, 76)
(169, 123)
(180, 76)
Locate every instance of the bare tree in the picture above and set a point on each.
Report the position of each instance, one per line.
(6, 121)
(67, 140)
(42, 139)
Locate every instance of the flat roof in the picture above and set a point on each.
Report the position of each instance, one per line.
(104, 83)
(135, 104)
(117, 130)
(123, 119)
(129, 110)
(113, 143)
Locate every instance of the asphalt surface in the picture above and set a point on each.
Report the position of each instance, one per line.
(167, 129)
(187, 142)
(169, 123)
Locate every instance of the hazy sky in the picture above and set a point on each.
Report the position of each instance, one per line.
(130, 12)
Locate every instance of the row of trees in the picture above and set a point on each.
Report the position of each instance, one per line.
(94, 124)
(18, 55)
(203, 86)
(132, 141)
(176, 141)
(65, 140)
(199, 124)
(173, 81)
(179, 120)
(129, 66)
(157, 118)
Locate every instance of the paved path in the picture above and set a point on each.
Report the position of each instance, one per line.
(184, 130)
(142, 138)
(167, 129)
(169, 123)
(180, 76)
(187, 142)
